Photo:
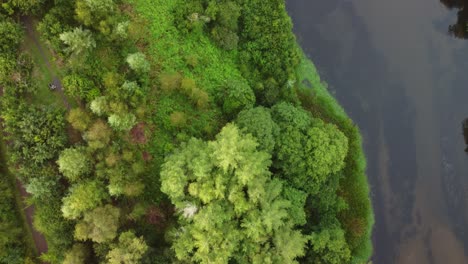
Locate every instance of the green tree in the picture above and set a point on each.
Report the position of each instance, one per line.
(77, 86)
(99, 225)
(99, 106)
(10, 36)
(258, 122)
(122, 122)
(74, 163)
(129, 250)
(78, 40)
(138, 63)
(83, 196)
(91, 12)
(99, 135)
(78, 254)
(329, 247)
(232, 209)
(79, 119)
(236, 97)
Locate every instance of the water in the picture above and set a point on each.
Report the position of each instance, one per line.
(404, 80)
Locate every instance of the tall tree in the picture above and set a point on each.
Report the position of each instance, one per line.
(99, 225)
(129, 250)
(232, 209)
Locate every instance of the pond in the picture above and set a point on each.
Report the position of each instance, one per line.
(403, 78)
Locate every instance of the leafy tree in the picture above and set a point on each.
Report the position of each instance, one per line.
(79, 119)
(99, 106)
(38, 134)
(11, 36)
(91, 12)
(78, 254)
(74, 163)
(239, 210)
(100, 225)
(99, 135)
(122, 122)
(77, 86)
(170, 81)
(138, 63)
(83, 196)
(237, 96)
(258, 122)
(78, 40)
(24, 6)
(309, 157)
(129, 250)
(329, 247)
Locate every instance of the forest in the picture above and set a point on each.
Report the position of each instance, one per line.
(178, 132)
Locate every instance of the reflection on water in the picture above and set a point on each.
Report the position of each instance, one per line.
(460, 28)
(403, 80)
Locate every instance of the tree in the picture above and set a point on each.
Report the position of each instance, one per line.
(122, 122)
(79, 119)
(308, 158)
(329, 247)
(138, 63)
(237, 96)
(77, 86)
(237, 211)
(92, 12)
(10, 36)
(78, 254)
(78, 41)
(100, 225)
(74, 163)
(129, 250)
(99, 106)
(82, 197)
(258, 122)
(99, 135)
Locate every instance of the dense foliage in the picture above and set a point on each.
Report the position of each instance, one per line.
(183, 135)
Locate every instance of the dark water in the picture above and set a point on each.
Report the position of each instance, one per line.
(404, 80)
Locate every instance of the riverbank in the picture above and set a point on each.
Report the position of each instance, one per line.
(358, 218)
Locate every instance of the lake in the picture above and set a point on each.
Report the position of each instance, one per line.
(404, 80)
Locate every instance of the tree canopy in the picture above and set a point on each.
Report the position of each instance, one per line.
(237, 209)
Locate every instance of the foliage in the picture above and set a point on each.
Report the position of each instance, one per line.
(82, 197)
(79, 119)
(77, 86)
(240, 213)
(99, 225)
(74, 163)
(99, 135)
(137, 62)
(129, 250)
(11, 35)
(78, 41)
(78, 254)
(122, 122)
(329, 247)
(237, 96)
(258, 122)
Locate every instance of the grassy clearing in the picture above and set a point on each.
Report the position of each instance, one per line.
(354, 188)
(45, 69)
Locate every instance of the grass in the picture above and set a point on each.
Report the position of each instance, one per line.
(44, 71)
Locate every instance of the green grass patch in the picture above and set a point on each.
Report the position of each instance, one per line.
(44, 69)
